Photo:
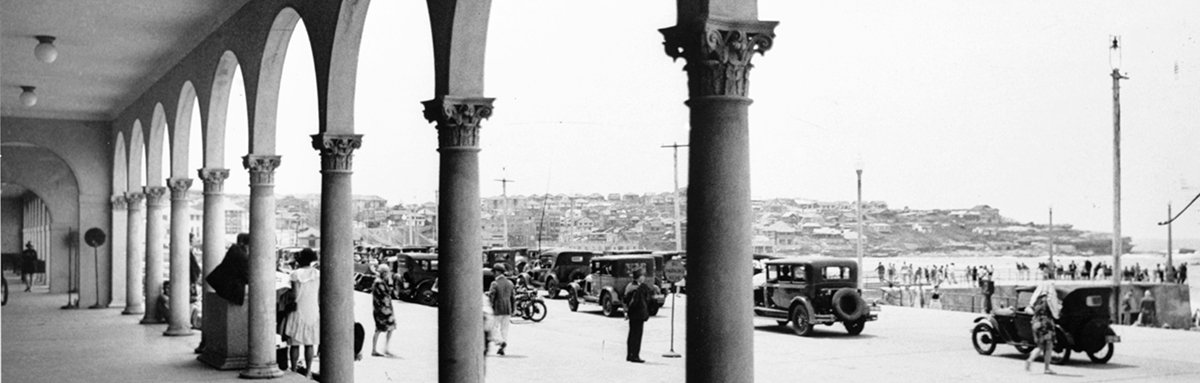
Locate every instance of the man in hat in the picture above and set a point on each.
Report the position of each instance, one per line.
(501, 293)
(637, 311)
(29, 260)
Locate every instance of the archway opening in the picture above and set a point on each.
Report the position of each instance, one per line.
(298, 178)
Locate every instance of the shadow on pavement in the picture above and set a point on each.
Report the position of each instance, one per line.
(818, 332)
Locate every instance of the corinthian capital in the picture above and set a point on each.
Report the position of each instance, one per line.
(458, 119)
(119, 202)
(154, 195)
(261, 167)
(337, 150)
(214, 179)
(718, 53)
(133, 200)
(179, 187)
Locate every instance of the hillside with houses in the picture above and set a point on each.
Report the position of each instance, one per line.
(646, 221)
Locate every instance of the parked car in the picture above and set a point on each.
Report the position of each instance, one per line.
(506, 256)
(1083, 325)
(813, 290)
(555, 268)
(610, 274)
(417, 272)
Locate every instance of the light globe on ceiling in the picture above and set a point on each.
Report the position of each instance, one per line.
(45, 50)
(28, 98)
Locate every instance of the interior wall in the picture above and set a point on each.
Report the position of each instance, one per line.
(10, 225)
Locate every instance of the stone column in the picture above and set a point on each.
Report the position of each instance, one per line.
(135, 243)
(720, 321)
(179, 322)
(154, 252)
(261, 363)
(119, 251)
(213, 249)
(459, 321)
(337, 259)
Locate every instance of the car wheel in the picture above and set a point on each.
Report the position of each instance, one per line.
(848, 305)
(426, 296)
(782, 322)
(552, 288)
(572, 301)
(800, 321)
(1060, 357)
(1107, 354)
(1025, 349)
(608, 306)
(855, 327)
(521, 281)
(984, 339)
(537, 311)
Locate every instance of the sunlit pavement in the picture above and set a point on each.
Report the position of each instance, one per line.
(42, 343)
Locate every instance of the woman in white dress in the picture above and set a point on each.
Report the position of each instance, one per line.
(303, 326)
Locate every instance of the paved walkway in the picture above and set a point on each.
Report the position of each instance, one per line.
(42, 343)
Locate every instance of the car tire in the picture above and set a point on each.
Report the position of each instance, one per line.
(983, 337)
(1102, 358)
(426, 296)
(1060, 357)
(1025, 349)
(855, 327)
(552, 288)
(848, 305)
(607, 305)
(572, 301)
(800, 323)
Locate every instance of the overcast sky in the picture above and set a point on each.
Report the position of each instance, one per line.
(949, 104)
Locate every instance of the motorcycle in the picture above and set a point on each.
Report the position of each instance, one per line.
(529, 305)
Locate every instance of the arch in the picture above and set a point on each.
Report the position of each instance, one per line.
(266, 98)
(341, 80)
(120, 178)
(136, 146)
(51, 178)
(180, 131)
(218, 109)
(154, 147)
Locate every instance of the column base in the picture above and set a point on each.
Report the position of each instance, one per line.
(270, 371)
(222, 362)
(179, 332)
(226, 346)
(133, 311)
(151, 321)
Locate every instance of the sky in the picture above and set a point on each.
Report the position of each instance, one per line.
(948, 104)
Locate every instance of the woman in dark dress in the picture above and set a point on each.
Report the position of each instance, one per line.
(1044, 311)
(385, 314)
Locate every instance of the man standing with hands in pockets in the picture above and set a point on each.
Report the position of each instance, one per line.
(636, 312)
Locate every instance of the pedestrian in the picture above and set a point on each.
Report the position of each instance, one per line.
(1149, 310)
(384, 312)
(29, 258)
(1045, 307)
(637, 293)
(935, 301)
(987, 288)
(1183, 272)
(1158, 273)
(303, 324)
(880, 270)
(502, 294)
(229, 279)
(1127, 308)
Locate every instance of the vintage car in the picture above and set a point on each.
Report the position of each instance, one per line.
(417, 273)
(605, 286)
(506, 256)
(556, 268)
(1083, 325)
(813, 290)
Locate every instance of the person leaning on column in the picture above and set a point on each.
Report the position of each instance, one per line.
(229, 279)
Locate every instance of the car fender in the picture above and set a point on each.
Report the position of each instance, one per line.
(990, 321)
(807, 306)
(616, 297)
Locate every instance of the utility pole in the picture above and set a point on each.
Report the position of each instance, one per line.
(1050, 233)
(504, 187)
(1169, 244)
(1117, 244)
(675, 193)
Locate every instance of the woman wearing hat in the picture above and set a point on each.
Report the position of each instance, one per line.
(385, 314)
(1045, 307)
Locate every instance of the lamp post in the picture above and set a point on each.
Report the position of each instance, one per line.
(858, 169)
(675, 196)
(1114, 60)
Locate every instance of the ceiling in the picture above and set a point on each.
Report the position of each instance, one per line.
(109, 51)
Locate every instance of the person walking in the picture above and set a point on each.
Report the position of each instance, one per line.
(1045, 309)
(303, 325)
(1149, 311)
(637, 311)
(1183, 273)
(987, 288)
(29, 258)
(880, 270)
(501, 293)
(384, 312)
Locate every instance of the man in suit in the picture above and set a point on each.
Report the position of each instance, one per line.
(637, 311)
(501, 293)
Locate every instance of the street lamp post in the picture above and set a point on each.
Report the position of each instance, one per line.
(1114, 58)
(675, 196)
(858, 169)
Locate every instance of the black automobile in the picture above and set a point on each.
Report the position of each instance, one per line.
(1083, 325)
(812, 290)
(555, 268)
(605, 286)
(506, 256)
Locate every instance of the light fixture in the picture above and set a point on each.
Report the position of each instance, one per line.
(1114, 53)
(45, 49)
(28, 98)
